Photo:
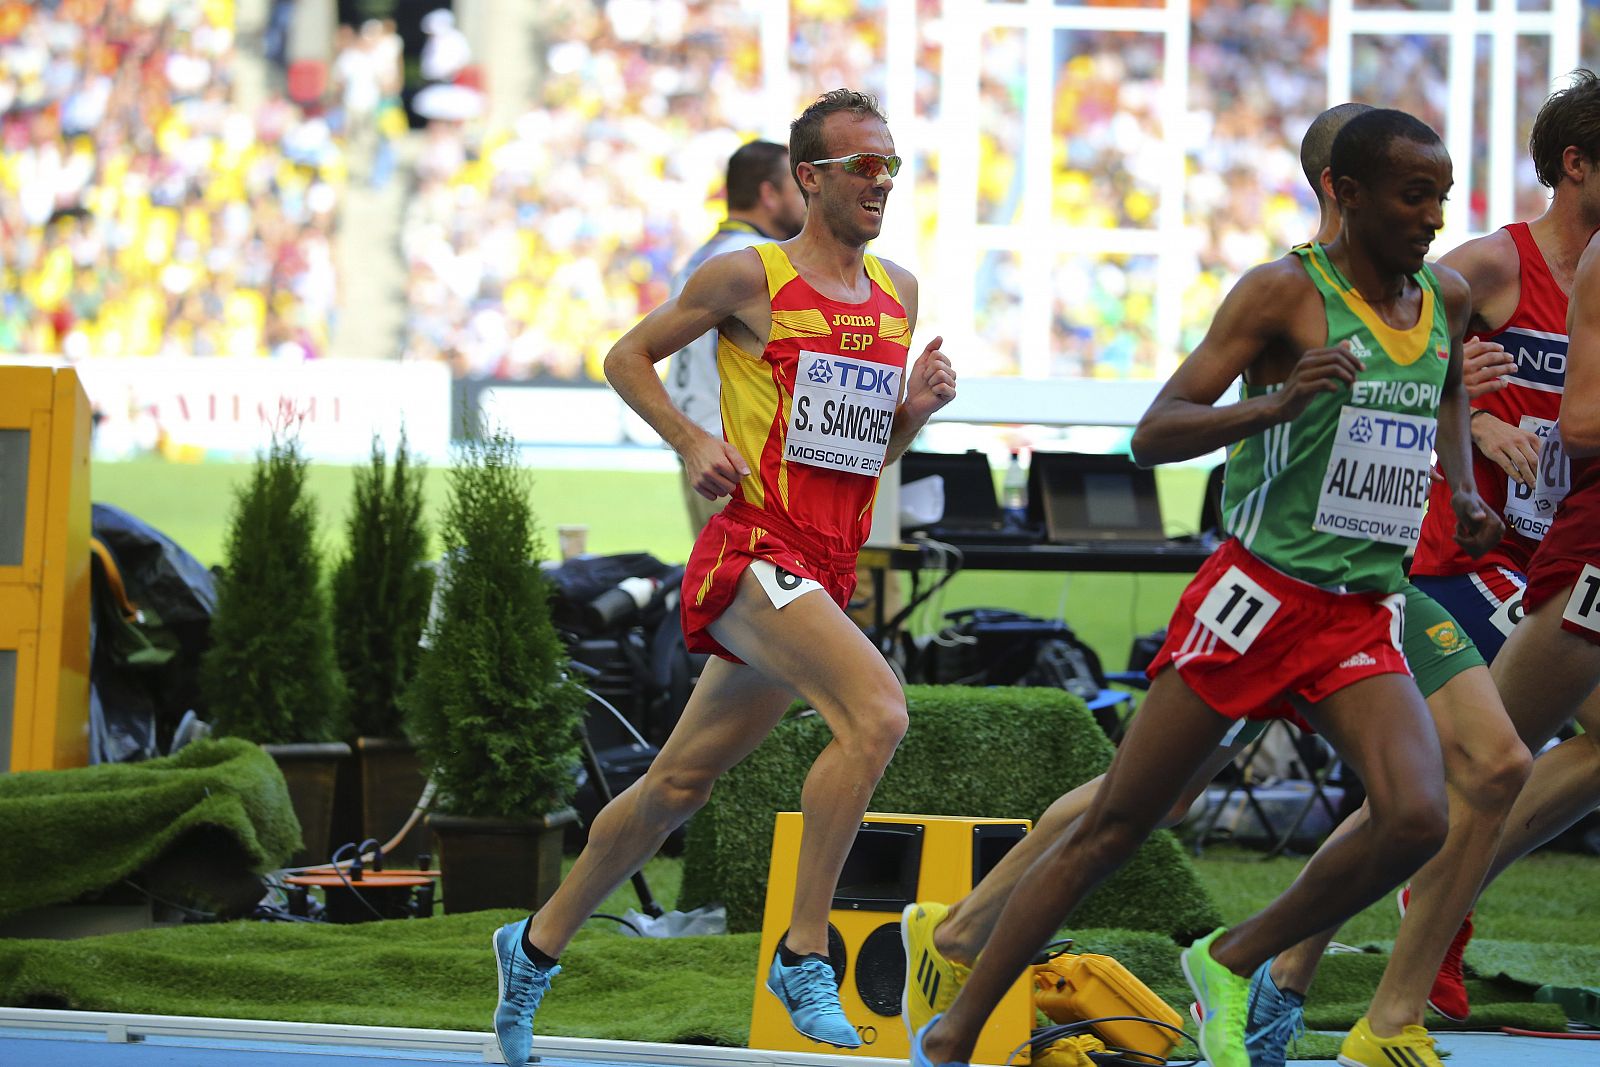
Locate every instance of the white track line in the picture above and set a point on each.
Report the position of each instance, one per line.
(124, 1027)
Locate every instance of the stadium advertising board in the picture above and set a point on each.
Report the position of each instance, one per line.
(228, 408)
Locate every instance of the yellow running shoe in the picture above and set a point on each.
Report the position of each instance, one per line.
(931, 980)
(1412, 1047)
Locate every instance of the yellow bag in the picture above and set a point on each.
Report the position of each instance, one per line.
(1070, 1052)
(1073, 989)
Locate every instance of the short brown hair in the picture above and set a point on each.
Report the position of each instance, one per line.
(1570, 117)
(752, 164)
(806, 143)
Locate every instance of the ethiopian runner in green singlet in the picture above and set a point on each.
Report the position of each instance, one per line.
(1320, 628)
(1484, 763)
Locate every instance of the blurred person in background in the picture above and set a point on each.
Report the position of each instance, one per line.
(764, 204)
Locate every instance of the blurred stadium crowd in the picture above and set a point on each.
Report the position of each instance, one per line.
(145, 209)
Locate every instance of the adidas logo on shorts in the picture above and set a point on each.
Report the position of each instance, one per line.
(1360, 659)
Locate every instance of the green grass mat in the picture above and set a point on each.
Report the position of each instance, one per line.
(437, 973)
(192, 826)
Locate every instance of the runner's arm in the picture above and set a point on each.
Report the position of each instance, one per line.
(1580, 414)
(720, 288)
(1184, 422)
(1454, 441)
(1478, 528)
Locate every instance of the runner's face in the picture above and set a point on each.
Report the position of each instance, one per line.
(1398, 215)
(852, 206)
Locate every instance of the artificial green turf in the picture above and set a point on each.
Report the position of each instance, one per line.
(191, 826)
(437, 973)
(1002, 752)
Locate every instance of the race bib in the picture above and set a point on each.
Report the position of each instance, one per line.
(1508, 614)
(842, 412)
(1376, 484)
(1583, 606)
(1237, 609)
(1530, 511)
(782, 587)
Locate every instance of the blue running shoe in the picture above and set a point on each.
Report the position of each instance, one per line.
(920, 1058)
(811, 997)
(1274, 1019)
(523, 985)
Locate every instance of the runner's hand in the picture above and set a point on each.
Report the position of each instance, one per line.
(932, 384)
(1514, 449)
(1320, 370)
(714, 467)
(1486, 367)
(1478, 528)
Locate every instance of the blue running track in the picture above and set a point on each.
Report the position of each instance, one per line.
(73, 1039)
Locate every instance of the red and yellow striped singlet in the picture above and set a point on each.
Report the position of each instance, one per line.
(811, 415)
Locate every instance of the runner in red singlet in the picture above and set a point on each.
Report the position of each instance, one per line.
(1520, 278)
(813, 338)
(1551, 661)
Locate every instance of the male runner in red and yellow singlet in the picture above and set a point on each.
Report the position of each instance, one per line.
(816, 398)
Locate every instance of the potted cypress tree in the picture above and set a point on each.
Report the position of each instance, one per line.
(381, 586)
(269, 674)
(491, 709)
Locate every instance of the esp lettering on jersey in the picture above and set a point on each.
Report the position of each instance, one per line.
(842, 412)
(1377, 481)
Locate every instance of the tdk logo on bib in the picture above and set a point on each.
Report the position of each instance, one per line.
(856, 375)
(1541, 358)
(1402, 432)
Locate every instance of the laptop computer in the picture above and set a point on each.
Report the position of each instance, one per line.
(1081, 497)
(972, 512)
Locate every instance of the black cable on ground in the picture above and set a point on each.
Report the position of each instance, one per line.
(618, 919)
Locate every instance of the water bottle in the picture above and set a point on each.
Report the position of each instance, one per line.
(1015, 495)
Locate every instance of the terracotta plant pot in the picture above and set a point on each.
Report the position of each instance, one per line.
(499, 863)
(311, 771)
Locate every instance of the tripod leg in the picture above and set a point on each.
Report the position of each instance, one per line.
(591, 763)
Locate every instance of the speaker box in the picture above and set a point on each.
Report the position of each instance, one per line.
(896, 860)
(44, 568)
